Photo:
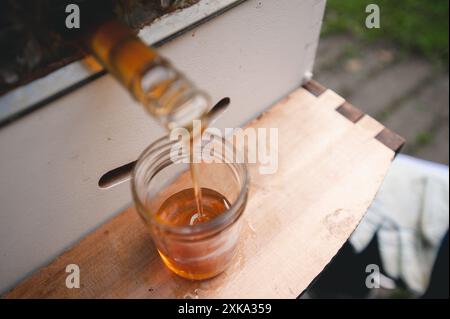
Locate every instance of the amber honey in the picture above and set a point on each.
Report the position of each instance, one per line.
(181, 209)
(199, 261)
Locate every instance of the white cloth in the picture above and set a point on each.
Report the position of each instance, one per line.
(410, 215)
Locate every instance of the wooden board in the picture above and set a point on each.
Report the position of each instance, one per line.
(331, 163)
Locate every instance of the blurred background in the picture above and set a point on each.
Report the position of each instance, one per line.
(399, 75)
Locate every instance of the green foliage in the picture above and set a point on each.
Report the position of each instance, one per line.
(424, 138)
(418, 26)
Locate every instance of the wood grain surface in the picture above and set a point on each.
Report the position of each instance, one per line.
(296, 220)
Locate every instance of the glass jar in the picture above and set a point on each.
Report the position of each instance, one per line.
(205, 249)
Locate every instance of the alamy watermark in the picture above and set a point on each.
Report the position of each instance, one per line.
(376, 279)
(73, 17)
(73, 279)
(249, 145)
(373, 19)
(373, 279)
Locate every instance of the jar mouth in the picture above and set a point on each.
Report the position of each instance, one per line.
(206, 228)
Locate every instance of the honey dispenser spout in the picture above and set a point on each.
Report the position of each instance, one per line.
(164, 92)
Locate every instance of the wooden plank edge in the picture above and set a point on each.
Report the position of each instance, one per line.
(350, 112)
(315, 88)
(391, 140)
(387, 137)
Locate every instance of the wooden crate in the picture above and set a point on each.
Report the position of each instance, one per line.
(332, 160)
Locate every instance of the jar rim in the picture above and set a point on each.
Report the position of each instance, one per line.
(206, 228)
